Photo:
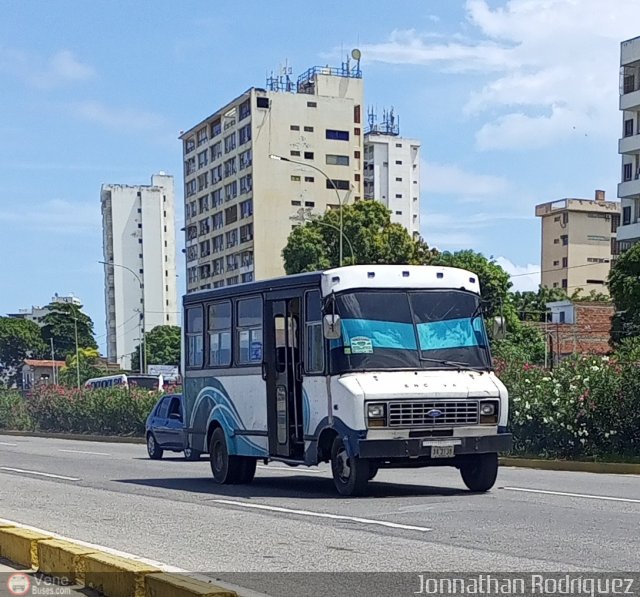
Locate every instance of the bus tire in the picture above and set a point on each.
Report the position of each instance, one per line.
(373, 470)
(153, 449)
(350, 474)
(479, 473)
(226, 469)
(248, 469)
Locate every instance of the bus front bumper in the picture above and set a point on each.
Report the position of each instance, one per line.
(421, 448)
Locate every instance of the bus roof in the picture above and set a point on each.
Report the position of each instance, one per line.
(352, 277)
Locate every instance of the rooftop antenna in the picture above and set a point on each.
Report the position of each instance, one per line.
(356, 55)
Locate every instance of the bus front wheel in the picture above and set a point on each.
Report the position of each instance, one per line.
(350, 473)
(228, 469)
(479, 473)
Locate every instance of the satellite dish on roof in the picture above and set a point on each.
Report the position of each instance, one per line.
(356, 54)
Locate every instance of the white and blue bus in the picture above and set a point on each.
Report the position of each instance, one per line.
(148, 382)
(360, 366)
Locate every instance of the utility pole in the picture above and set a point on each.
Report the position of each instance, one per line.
(75, 326)
(53, 362)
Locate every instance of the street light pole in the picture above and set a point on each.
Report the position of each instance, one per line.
(143, 343)
(75, 327)
(333, 185)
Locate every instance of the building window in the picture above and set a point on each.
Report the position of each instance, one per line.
(398, 144)
(249, 331)
(216, 151)
(189, 145)
(216, 174)
(398, 195)
(338, 184)
(597, 237)
(231, 214)
(308, 129)
(337, 135)
(356, 177)
(262, 102)
(595, 281)
(230, 142)
(356, 155)
(628, 127)
(246, 184)
(565, 239)
(398, 213)
(309, 204)
(556, 263)
(294, 127)
(245, 134)
(246, 233)
(295, 153)
(216, 128)
(357, 131)
(626, 215)
(565, 262)
(231, 190)
(202, 136)
(309, 179)
(220, 334)
(398, 179)
(295, 178)
(218, 220)
(337, 160)
(308, 155)
(312, 104)
(564, 283)
(246, 208)
(627, 172)
(232, 238)
(248, 277)
(615, 222)
(398, 162)
(296, 203)
(244, 110)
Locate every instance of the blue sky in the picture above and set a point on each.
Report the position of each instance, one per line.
(515, 102)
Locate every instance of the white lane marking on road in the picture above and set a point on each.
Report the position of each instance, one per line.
(290, 469)
(116, 552)
(83, 452)
(575, 495)
(7, 444)
(49, 475)
(383, 523)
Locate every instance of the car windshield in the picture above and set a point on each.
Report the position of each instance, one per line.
(422, 329)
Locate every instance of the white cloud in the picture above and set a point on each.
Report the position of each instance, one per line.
(553, 65)
(57, 69)
(450, 179)
(117, 118)
(523, 277)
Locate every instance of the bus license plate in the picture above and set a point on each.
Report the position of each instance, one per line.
(442, 451)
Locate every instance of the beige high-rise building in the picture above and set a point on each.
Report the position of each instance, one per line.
(578, 242)
(240, 202)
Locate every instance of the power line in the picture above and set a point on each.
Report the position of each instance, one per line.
(557, 269)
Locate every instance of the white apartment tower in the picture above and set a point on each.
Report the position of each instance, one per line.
(240, 202)
(138, 227)
(392, 170)
(629, 143)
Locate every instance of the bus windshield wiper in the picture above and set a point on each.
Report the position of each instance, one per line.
(456, 364)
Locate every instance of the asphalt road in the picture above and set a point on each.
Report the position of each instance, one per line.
(291, 520)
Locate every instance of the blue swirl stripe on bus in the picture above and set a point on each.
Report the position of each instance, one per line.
(306, 412)
(224, 411)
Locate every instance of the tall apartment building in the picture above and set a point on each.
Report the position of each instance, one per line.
(629, 143)
(578, 243)
(37, 314)
(239, 202)
(139, 244)
(392, 170)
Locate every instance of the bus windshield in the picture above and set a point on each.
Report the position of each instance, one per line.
(148, 383)
(421, 329)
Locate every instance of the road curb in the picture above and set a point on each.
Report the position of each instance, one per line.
(111, 575)
(607, 468)
(112, 439)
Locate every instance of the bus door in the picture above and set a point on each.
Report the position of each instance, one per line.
(282, 371)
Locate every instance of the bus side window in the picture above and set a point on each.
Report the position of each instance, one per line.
(220, 334)
(249, 331)
(195, 329)
(314, 341)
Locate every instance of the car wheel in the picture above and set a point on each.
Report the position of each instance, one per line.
(350, 473)
(153, 449)
(226, 469)
(191, 455)
(479, 473)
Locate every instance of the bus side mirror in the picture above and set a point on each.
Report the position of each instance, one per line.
(331, 326)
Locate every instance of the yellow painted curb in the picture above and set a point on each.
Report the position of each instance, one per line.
(20, 546)
(63, 559)
(610, 468)
(164, 584)
(115, 576)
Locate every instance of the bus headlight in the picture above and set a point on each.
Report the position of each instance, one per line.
(377, 415)
(489, 412)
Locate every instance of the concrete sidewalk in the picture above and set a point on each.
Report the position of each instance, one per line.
(14, 581)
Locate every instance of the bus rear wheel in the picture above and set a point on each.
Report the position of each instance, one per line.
(351, 474)
(479, 473)
(226, 469)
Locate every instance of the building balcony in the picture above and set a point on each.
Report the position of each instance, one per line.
(629, 232)
(245, 269)
(629, 145)
(629, 188)
(630, 101)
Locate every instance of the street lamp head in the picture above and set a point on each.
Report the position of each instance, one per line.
(273, 156)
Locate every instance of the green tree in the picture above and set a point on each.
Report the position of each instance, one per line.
(532, 306)
(367, 229)
(90, 366)
(20, 339)
(59, 324)
(624, 285)
(163, 347)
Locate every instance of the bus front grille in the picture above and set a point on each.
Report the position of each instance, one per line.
(432, 413)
